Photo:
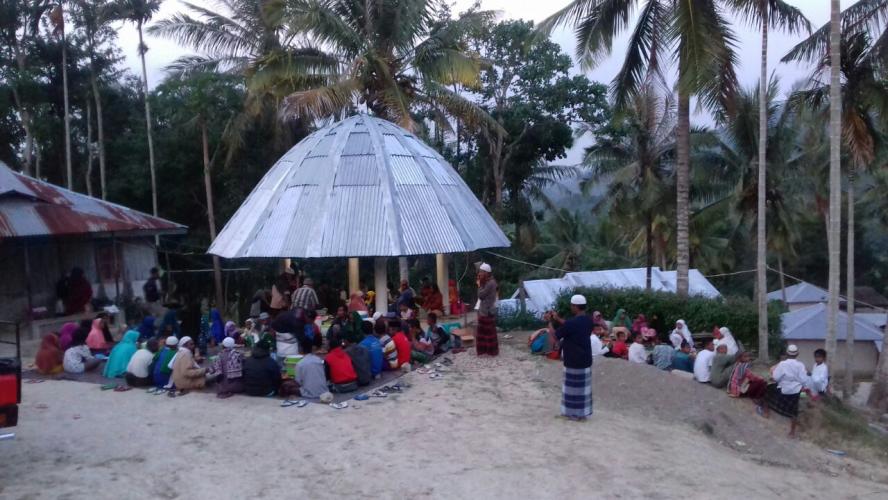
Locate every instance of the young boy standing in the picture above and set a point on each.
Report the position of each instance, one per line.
(819, 374)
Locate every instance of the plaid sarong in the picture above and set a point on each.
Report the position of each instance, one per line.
(576, 394)
(486, 341)
(784, 404)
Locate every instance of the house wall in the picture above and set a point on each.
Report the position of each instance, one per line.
(51, 258)
(866, 357)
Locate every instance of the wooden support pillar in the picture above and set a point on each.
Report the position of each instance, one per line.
(116, 270)
(403, 269)
(354, 278)
(443, 285)
(28, 280)
(380, 283)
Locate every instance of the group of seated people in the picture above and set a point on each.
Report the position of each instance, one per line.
(720, 362)
(172, 364)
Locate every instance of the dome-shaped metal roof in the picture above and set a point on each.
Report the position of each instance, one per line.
(361, 187)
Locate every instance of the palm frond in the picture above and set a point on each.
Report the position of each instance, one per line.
(643, 58)
(321, 102)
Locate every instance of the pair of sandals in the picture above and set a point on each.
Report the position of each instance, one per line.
(299, 403)
(116, 387)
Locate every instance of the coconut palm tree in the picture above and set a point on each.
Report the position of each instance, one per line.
(140, 12)
(695, 34)
(636, 159)
(94, 18)
(862, 99)
(57, 20)
(391, 56)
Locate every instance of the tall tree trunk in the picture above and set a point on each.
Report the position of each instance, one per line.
(649, 250)
(26, 126)
(68, 168)
(682, 208)
(89, 149)
(835, 176)
(848, 383)
(211, 213)
(142, 50)
(782, 277)
(761, 223)
(100, 129)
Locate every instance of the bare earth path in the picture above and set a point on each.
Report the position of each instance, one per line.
(487, 430)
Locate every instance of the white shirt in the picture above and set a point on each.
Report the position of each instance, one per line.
(727, 340)
(140, 363)
(598, 348)
(703, 365)
(819, 378)
(791, 376)
(637, 353)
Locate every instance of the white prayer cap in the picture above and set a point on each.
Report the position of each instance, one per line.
(228, 342)
(792, 350)
(486, 267)
(172, 341)
(578, 300)
(184, 340)
(377, 315)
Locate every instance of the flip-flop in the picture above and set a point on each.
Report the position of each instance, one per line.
(447, 361)
(288, 403)
(378, 394)
(507, 336)
(436, 376)
(362, 397)
(301, 403)
(424, 371)
(122, 388)
(108, 387)
(339, 406)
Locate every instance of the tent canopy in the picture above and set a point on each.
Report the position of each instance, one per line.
(361, 187)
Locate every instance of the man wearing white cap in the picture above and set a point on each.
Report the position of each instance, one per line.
(486, 341)
(791, 377)
(576, 351)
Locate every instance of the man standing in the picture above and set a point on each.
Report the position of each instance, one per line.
(791, 377)
(486, 341)
(280, 291)
(576, 350)
(305, 297)
(151, 292)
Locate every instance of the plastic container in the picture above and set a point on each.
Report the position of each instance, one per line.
(10, 382)
(290, 364)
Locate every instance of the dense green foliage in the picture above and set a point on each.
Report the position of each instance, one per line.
(663, 309)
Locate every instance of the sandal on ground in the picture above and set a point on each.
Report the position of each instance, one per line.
(122, 388)
(436, 376)
(288, 403)
(108, 387)
(378, 394)
(339, 406)
(362, 397)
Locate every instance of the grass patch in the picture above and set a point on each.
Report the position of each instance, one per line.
(835, 425)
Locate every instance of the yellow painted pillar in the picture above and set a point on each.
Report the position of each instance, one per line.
(380, 283)
(443, 285)
(354, 280)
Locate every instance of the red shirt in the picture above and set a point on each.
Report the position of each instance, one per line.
(620, 349)
(403, 346)
(340, 365)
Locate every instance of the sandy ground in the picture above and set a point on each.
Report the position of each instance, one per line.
(487, 430)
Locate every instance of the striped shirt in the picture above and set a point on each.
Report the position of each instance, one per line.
(305, 298)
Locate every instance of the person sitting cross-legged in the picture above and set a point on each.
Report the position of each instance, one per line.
(262, 374)
(683, 359)
(138, 370)
(339, 369)
(360, 359)
(310, 374)
(722, 366)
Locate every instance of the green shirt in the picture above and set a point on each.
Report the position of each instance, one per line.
(722, 366)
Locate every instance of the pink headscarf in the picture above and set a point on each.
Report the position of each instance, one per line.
(96, 338)
(356, 303)
(66, 335)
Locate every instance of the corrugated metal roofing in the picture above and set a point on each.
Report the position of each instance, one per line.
(541, 294)
(31, 207)
(809, 323)
(801, 293)
(361, 187)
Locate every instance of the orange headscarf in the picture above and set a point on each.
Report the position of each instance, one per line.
(49, 357)
(356, 303)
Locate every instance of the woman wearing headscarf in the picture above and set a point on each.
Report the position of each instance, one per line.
(79, 293)
(170, 323)
(486, 341)
(231, 331)
(356, 303)
(50, 356)
(724, 337)
(640, 324)
(187, 374)
(95, 340)
(229, 368)
(746, 384)
(434, 301)
(146, 329)
(106, 331)
(66, 335)
(121, 354)
(598, 319)
(621, 319)
(681, 333)
(165, 357)
(218, 326)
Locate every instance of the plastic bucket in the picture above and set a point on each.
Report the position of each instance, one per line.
(290, 363)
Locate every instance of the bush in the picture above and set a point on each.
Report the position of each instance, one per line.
(663, 309)
(513, 319)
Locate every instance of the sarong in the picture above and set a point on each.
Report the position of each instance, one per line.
(784, 404)
(486, 341)
(576, 394)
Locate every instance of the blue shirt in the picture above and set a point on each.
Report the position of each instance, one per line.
(373, 346)
(682, 361)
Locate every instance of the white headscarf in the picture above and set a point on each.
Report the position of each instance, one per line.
(684, 333)
(727, 340)
(228, 342)
(184, 340)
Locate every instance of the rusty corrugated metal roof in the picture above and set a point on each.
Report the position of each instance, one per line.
(31, 207)
(361, 187)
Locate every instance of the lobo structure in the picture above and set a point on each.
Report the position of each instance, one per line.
(410, 201)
